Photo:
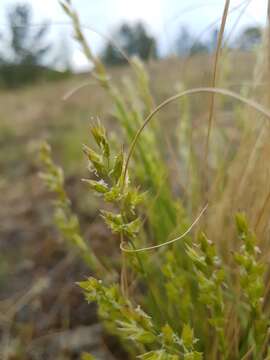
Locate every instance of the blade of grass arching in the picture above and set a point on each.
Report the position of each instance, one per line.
(214, 78)
(251, 103)
(163, 213)
(178, 96)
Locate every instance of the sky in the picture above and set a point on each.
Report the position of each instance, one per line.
(163, 18)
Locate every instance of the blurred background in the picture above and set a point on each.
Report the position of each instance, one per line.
(47, 92)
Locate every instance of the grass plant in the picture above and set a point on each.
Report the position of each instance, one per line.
(173, 296)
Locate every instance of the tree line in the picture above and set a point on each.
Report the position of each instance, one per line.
(27, 52)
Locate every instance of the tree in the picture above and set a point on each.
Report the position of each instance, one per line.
(249, 38)
(26, 49)
(133, 40)
(27, 44)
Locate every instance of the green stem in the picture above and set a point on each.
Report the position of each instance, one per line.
(148, 281)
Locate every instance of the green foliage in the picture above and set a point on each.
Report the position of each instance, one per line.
(251, 281)
(184, 302)
(133, 324)
(251, 270)
(210, 276)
